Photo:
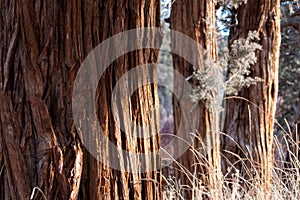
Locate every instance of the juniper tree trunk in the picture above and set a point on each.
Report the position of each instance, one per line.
(249, 119)
(196, 19)
(43, 44)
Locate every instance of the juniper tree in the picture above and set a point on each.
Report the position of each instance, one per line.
(197, 20)
(43, 44)
(249, 118)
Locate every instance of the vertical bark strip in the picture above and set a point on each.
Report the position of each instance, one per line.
(249, 121)
(197, 20)
(42, 46)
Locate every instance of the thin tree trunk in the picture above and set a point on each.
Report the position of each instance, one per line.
(42, 46)
(249, 119)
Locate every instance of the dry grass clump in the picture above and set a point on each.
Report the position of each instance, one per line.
(285, 182)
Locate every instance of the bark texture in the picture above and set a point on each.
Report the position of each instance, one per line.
(196, 19)
(42, 46)
(249, 119)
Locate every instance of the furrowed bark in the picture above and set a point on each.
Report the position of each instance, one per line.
(42, 46)
(197, 20)
(249, 118)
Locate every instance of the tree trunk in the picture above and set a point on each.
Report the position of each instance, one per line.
(249, 119)
(196, 19)
(43, 44)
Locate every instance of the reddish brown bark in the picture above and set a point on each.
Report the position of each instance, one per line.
(42, 46)
(197, 20)
(249, 120)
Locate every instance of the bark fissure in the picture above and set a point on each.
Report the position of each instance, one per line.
(44, 44)
(256, 108)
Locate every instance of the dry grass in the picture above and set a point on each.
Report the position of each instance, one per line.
(285, 182)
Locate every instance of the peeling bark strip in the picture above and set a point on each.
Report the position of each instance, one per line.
(250, 122)
(42, 46)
